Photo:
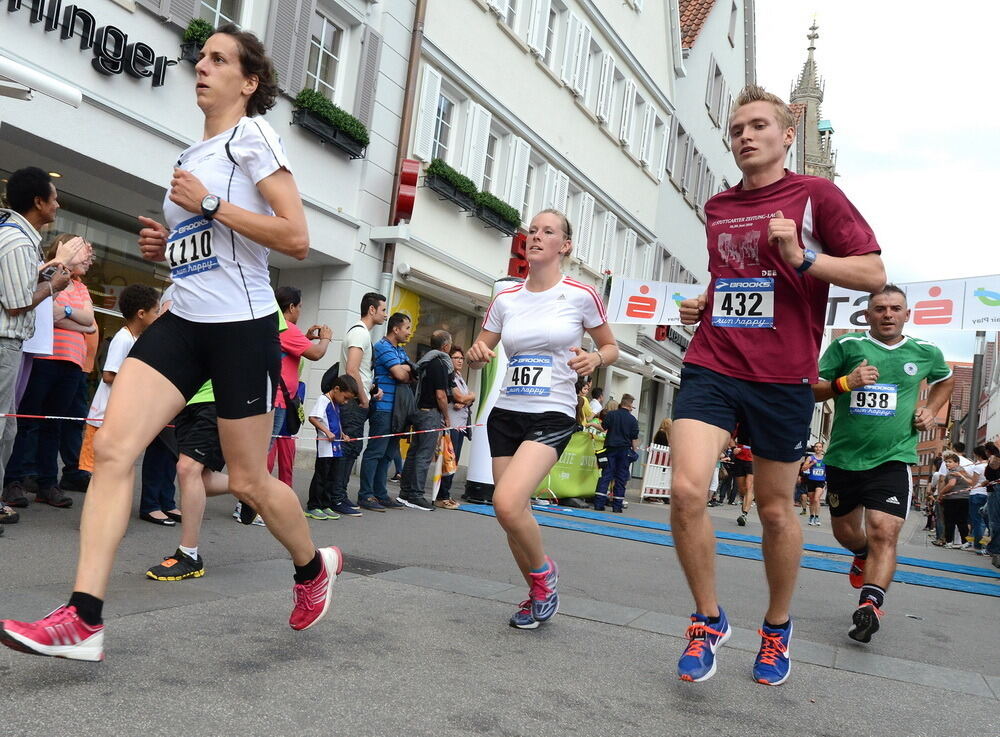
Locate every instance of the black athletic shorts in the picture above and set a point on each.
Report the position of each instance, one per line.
(813, 484)
(742, 468)
(886, 488)
(197, 431)
(241, 358)
(507, 429)
(776, 417)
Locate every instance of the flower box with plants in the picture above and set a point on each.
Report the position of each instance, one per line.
(497, 214)
(450, 184)
(330, 124)
(195, 36)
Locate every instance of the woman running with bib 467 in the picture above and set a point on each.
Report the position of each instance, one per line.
(231, 200)
(541, 324)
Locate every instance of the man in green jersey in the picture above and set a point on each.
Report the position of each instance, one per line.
(874, 379)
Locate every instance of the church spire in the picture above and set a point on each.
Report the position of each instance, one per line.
(809, 84)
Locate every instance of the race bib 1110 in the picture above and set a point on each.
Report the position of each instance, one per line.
(189, 248)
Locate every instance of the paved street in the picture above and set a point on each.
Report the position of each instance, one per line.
(417, 642)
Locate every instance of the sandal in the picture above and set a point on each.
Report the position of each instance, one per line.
(7, 515)
(938, 543)
(446, 504)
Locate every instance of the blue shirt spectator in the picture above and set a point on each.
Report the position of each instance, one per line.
(622, 427)
(387, 355)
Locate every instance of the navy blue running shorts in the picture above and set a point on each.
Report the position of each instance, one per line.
(775, 416)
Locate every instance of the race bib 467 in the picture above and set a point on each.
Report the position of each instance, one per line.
(528, 376)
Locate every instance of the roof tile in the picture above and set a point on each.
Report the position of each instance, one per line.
(693, 13)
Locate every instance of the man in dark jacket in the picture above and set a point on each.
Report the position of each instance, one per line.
(622, 437)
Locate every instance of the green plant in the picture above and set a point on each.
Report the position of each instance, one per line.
(462, 183)
(198, 31)
(315, 102)
(501, 208)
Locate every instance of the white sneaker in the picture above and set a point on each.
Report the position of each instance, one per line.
(967, 546)
(258, 521)
(952, 546)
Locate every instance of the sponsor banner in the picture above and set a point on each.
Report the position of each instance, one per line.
(972, 303)
(648, 302)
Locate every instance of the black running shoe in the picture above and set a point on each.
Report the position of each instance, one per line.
(866, 619)
(176, 568)
(247, 514)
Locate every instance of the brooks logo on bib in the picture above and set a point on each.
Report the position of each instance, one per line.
(189, 248)
(878, 400)
(743, 303)
(528, 375)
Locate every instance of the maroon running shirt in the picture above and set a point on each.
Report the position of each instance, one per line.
(763, 321)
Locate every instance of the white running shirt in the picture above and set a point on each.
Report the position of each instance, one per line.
(220, 275)
(118, 351)
(537, 330)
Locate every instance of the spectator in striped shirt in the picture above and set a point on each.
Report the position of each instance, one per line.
(53, 387)
(25, 283)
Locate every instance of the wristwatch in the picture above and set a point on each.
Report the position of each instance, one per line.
(210, 205)
(808, 259)
(68, 310)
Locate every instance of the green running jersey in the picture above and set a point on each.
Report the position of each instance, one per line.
(874, 424)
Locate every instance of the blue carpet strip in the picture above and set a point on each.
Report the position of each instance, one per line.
(739, 551)
(644, 524)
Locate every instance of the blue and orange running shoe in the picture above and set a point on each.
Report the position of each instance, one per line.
(773, 662)
(543, 599)
(856, 574)
(704, 639)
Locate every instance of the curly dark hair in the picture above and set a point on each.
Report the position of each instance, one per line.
(255, 63)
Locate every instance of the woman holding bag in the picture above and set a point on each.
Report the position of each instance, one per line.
(460, 412)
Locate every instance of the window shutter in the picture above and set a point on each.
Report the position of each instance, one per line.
(180, 11)
(498, 6)
(371, 55)
(604, 89)
(673, 143)
(549, 187)
(646, 139)
(628, 110)
(477, 133)
(581, 72)
(569, 49)
(517, 176)
(584, 228)
(628, 253)
(607, 244)
(561, 195)
(423, 137)
(664, 147)
(538, 25)
(710, 84)
(160, 7)
(289, 39)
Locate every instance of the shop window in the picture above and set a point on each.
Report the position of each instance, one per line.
(218, 12)
(428, 315)
(325, 47)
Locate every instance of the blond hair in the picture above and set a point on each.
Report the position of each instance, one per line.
(756, 93)
(567, 228)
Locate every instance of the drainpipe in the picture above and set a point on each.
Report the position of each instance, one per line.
(409, 94)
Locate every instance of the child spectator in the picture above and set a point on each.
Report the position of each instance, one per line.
(140, 306)
(325, 417)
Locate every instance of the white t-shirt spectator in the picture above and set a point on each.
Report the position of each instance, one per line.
(325, 411)
(118, 351)
(537, 330)
(596, 406)
(358, 336)
(980, 470)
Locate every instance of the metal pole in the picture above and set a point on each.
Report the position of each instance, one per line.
(972, 418)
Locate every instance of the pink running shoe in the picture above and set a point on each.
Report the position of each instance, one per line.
(62, 634)
(312, 598)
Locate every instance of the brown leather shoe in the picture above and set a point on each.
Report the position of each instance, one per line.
(53, 496)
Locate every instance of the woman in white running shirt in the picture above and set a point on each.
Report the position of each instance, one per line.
(541, 323)
(232, 199)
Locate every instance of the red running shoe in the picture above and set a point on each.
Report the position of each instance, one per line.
(312, 598)
(857, 572)
(62, 634)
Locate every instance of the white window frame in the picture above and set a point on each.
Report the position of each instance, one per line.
(312, 76)
(215, 8)
(451, 144)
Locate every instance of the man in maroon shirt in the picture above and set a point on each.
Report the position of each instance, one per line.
(776, 241)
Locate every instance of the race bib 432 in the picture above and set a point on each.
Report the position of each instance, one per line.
(528, 376)
(743, 303)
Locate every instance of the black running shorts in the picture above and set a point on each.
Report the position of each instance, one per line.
(241, 358)
(885, 488)
(507, 429)
(775, 416)
(813, 484)
(197, 432)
